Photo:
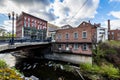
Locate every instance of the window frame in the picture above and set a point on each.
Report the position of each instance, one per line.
(84, 37)
(67, 36)
(84, 47)
(59, 36)
(76, 35)
(76, 46)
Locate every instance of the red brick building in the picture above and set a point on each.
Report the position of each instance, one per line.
(76, 40)
(30, 27)
(113, 34)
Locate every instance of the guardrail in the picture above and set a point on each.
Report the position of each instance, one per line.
(23, 40)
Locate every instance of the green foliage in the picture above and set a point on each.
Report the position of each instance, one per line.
(104, 56)
(3, 64)
(89, 68)
(105, 70)
(68, 68)
(113, 43)
(110, 51)
(110, 71)
(7, 73)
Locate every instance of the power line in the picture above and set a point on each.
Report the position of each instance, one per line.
(78, 11)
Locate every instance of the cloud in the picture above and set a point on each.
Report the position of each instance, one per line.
(115, 24)
(2, 2)
(57, 12)
(115, 14)
(76, 11)
(7, 25)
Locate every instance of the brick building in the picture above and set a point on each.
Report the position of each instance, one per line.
(30, 27)
(113, 34)
(76, 40)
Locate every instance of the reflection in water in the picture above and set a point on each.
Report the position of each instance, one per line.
(44, 69)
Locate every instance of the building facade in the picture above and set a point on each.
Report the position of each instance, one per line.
(31, 27)
(51, 31)
(102, 34)
(113, 34)
(76, 40)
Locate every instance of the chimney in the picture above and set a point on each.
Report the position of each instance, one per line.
(89, 21)
(108, 25)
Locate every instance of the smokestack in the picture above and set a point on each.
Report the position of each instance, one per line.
(108, 25)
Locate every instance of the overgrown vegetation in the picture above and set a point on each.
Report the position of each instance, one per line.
(106, 62)
(7, 73)
(108, 71)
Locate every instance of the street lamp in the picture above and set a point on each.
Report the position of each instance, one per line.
(12, 16)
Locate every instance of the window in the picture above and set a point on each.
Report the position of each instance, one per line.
(28, 22)
(101, 32)
(67, 36)
(112, 33)
(84, 34)
(59, 46)
(84, 47)
(59, 36)
(75, 35)
(24, 21)
(83, 24)
(67, 46)
(76, 46)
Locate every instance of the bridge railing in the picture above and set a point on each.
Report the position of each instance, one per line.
(17, 40)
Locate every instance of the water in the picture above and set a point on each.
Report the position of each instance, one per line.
(44, 69)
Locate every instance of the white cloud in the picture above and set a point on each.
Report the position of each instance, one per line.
(75, 12)
(66, 12)
(116, 14)
(115, 24)
(8, 25)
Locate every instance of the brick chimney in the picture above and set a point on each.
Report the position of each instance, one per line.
(108, 25)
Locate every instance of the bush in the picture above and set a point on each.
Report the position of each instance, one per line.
(110, 51)
(7, 73)
(105, 70)
(3, 64)
(110, 71)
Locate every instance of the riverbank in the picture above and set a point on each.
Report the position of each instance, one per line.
(9, 59)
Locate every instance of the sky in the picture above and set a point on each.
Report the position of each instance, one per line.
(62, 12)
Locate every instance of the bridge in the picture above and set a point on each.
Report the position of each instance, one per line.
(44, 49)
(6, 47)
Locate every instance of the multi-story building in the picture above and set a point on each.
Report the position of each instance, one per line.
(31, 27)
(76, 40)
(51, 31)
(113, 34)
(102, 34)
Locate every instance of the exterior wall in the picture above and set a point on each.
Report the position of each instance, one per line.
(87, 27)
(51, 31)
(76, 59)
(114, 35)
(68, 44)
(102, 34)
(34, 28)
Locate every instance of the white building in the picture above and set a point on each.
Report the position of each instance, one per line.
(102, 34)
(51, 31)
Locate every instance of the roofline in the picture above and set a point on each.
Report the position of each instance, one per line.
(33, 16)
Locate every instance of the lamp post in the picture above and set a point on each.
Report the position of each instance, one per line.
(12, 16)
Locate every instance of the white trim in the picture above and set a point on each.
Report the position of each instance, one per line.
(83, 35)
(76, 36)
(66, 36)
(22, 32)
(76, 46)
